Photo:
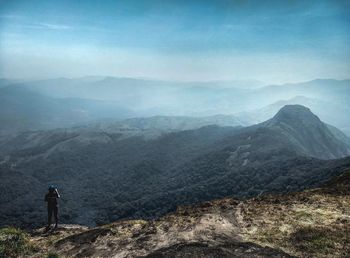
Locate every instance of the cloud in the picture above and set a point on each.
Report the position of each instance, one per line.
(22, 21)
(46, 26)
(52, 26)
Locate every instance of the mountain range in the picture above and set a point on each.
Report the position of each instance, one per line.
(62, 102)
(106, 175)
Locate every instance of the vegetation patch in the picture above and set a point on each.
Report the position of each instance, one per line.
(14, 242)
(321, 240)
(52, 255)
(303, 215)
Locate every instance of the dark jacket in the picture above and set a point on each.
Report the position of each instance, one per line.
(51, 198)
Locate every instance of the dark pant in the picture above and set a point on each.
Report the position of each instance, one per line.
(50, 210)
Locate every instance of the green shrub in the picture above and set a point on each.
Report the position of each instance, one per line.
(14, 242)
(314, 240)
(52, 255)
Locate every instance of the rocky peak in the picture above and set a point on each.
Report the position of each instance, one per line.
(293, 114)
(309, 135)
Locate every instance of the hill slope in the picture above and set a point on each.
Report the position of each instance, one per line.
(313, 223)
(309, 133)
(105, 176)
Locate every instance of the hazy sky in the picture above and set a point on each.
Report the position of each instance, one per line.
(272, 41)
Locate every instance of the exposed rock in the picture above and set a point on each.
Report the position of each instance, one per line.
(313, 223)
(201, 250)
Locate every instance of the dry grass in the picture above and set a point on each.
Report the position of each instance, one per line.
(318, 227)
(313, 223)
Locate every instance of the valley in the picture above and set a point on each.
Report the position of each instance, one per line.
(174, 129)
(63, 102)
(107, 175)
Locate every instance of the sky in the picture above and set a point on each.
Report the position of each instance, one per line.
(183, 40)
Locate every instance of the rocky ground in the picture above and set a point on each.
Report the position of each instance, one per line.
(313, 223)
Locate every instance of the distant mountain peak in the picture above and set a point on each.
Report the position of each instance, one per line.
(308, 133)
(295, 113)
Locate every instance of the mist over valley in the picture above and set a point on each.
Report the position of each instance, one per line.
(192, 129)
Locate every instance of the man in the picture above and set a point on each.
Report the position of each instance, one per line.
(52, 205)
